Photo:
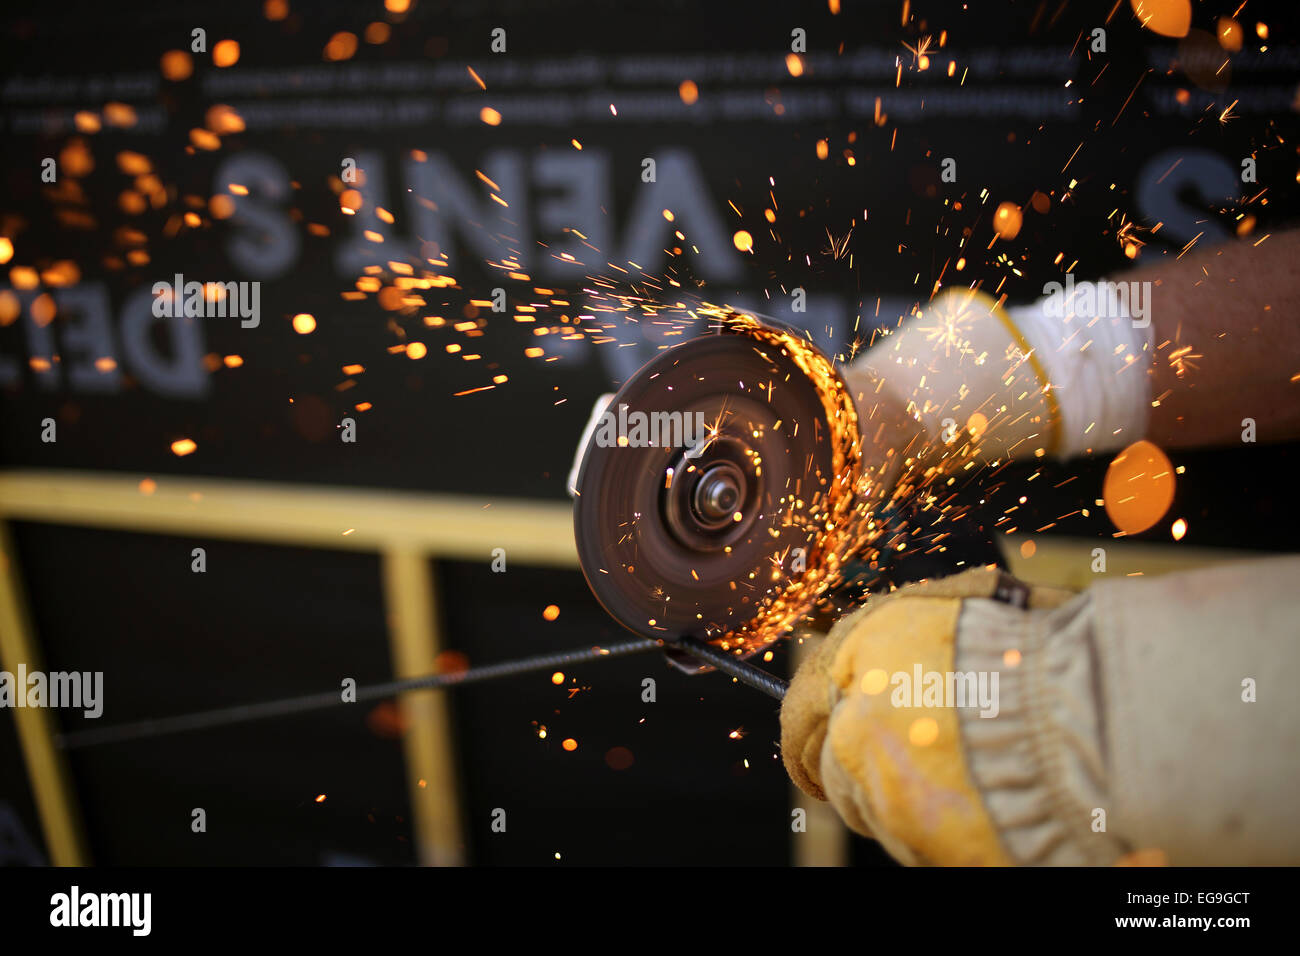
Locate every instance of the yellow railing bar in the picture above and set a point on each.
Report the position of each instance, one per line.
(415, 638)
(447, 526)
(51, 786)
(1062, 562)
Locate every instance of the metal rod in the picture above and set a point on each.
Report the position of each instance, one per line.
(743, 671)
(240, 713)
(729, 664)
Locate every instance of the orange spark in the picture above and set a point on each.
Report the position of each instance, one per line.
(226, 53)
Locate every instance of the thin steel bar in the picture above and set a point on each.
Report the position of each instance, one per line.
(729, 664)
(224, 716)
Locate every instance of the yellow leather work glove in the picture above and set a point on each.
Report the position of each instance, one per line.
(851, 731)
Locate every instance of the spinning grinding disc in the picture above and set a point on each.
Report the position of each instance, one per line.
(719, 536)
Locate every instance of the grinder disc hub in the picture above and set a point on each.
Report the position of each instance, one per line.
(710, 503)
(718, 494)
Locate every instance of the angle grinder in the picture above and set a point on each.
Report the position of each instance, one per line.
(723, 489)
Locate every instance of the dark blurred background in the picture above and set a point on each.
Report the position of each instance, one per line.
(842, 145)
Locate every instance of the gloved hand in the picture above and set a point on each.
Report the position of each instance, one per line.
(894, 771)
(1127, 724)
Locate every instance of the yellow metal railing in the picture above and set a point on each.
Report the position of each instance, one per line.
(406, 530)
(45, 765)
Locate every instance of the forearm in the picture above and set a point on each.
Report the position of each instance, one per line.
(1227, 323)
(1188, 350)
(1147, 714)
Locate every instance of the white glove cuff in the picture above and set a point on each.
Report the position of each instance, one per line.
(1097, 365)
